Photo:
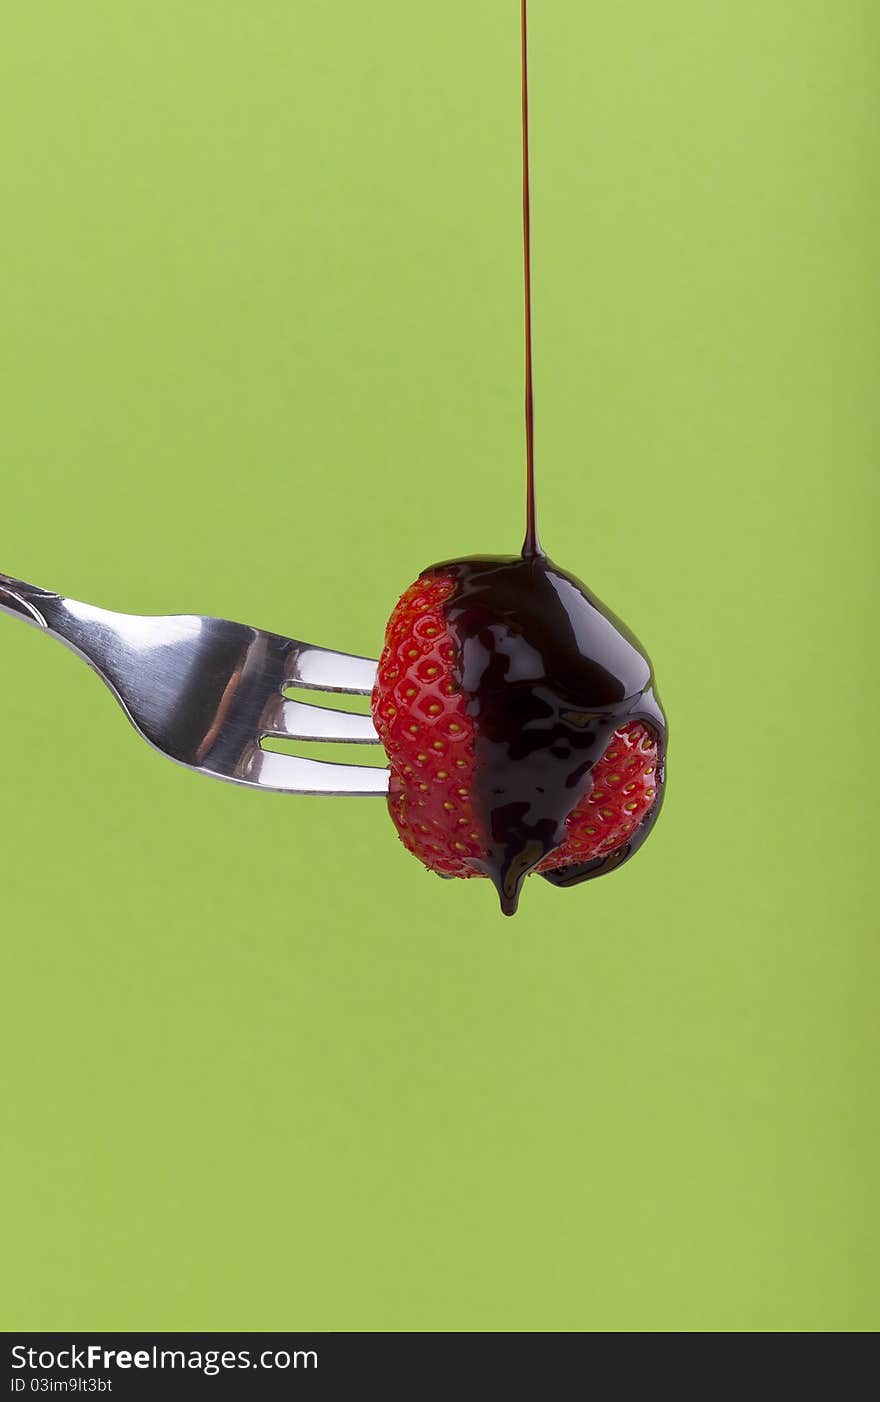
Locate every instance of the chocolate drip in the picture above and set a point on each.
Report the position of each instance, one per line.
(549, 674)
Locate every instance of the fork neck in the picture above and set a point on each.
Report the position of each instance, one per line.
(95, 634)
(36, 606)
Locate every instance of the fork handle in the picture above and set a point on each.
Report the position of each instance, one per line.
(26, 601)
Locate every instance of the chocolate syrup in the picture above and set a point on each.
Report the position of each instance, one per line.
(548, 671)
(549, 674)
(531, 544)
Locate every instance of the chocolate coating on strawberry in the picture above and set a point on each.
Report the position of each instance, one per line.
(501, 688)
(622, 793)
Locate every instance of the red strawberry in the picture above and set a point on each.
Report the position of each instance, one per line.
(422, 718)
(623, 793)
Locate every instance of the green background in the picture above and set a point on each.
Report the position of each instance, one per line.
(261, 357)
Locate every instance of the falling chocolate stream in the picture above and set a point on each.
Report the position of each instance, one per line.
(531, 544)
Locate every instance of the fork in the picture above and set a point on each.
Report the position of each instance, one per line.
(206, 692)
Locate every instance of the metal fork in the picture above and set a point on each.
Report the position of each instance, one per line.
(206, 692)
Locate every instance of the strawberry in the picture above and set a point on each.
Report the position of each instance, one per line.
(622, 794)
(422, 717)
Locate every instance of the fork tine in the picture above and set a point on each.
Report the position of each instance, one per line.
(299, 720)
(325, 670)
(264, 769)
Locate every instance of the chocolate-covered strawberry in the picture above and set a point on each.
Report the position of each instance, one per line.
(520, 723)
